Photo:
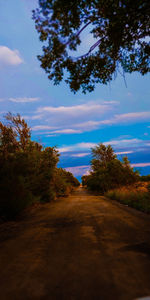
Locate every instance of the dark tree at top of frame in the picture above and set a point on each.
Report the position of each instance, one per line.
(120, 28)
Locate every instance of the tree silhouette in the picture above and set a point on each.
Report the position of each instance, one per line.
(108, 172)
(101, 156)
(120, 29)
(27, 169)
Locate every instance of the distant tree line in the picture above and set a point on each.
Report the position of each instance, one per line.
(108, 172)
(28, 171)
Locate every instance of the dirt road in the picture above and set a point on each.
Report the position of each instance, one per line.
(80, 247)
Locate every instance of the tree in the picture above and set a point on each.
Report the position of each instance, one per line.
(64, 182)
(8, 141)
(101, 156)
(108, 172)
(120, 29)
(20, 128)
(27, 170)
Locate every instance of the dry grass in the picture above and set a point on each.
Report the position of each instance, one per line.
(137, 196)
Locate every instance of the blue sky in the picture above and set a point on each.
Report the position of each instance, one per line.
(113, 114)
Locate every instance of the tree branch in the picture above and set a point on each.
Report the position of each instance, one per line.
(78, 33)
(91, 49)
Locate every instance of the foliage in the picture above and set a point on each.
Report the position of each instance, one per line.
(107, 171)
(136, 198)
(64, 182)
(84, 180)
(27, 170)
(101, 156)
(145, 178)
(120, 29)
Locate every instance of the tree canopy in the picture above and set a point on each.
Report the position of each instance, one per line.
(101, 156)
(120, 28)
(108, 172)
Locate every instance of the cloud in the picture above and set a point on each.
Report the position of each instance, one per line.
(86, 117)
(67, 131)
(78, 110)
(78, 170)
(133, 116)
(24, 99)
(117, 119)
(86, 173)
(9, 57)
(42, 127)
(124, 152)
(111, 102)
(36, 117)
(140, 165)
(124, 143)
(50, 135)
(88, 124)
(91, 125)
(79, 154)
(75, 147)
(68, 119)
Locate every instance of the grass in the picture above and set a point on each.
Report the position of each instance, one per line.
(137, 196)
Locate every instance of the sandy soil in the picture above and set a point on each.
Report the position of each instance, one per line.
(80, 247)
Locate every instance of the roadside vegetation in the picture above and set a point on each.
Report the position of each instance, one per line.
(117, 179)
(28, 171)
(134, 196)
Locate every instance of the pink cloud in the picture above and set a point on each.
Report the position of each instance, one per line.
(78, 170)
(141, 165)
(9, 57)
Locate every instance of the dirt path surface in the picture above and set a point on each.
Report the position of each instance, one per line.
(80, 247)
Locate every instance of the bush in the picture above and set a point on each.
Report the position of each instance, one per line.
(64, 182)
(145, 178)
(136, 198)
(107, 171)
(28, 171)
(14, 197)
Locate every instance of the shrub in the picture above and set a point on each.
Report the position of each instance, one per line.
(107, 171)
(28, 171)
(136, 198)
(14, 197)
(145, 178)
(64, 182)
